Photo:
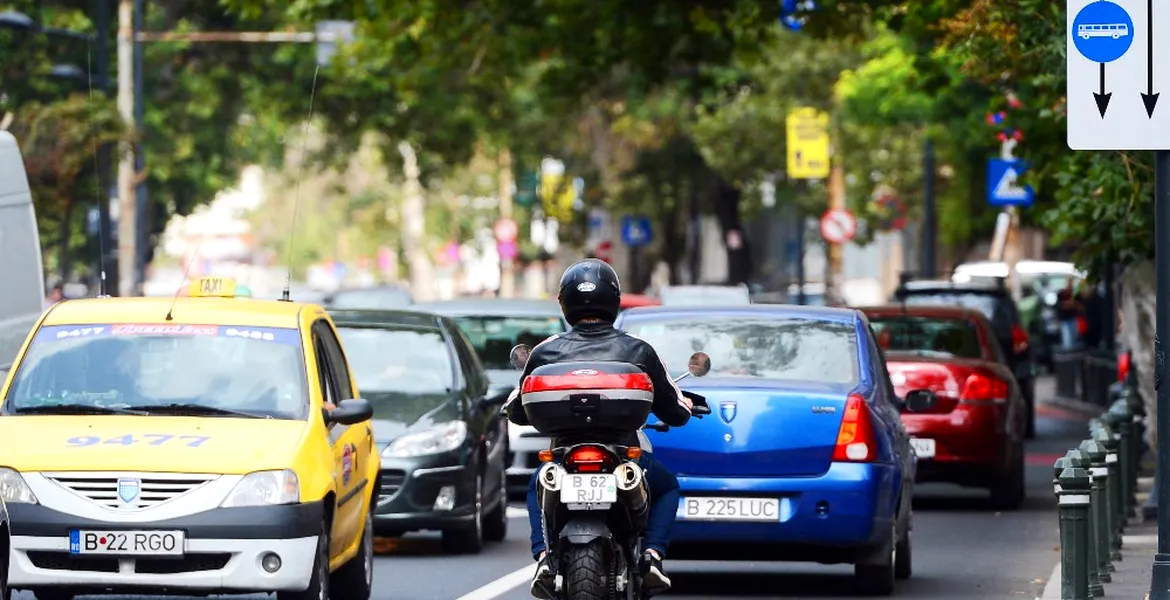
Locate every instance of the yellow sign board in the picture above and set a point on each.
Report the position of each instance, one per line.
(808, 144)
(558, 197)
(212, 287)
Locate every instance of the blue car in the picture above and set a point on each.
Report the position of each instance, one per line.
(805, 457)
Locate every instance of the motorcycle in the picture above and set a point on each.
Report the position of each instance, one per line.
(593, 495)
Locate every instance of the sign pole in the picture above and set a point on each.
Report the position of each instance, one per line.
(928, 221)
(1160, 574)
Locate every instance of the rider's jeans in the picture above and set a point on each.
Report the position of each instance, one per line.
(663, 507)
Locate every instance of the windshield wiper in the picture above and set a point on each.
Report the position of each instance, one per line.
(76, 409)
(188, 409)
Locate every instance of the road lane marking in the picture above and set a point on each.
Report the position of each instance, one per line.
(515, 512)
(1052, 588)
(502, 585)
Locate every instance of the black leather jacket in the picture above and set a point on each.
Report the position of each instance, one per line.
(600, 341)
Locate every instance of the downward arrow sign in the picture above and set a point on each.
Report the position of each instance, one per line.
(1150, 99)
(1102, 98)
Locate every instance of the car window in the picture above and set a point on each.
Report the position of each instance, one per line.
(927, 335)
(472, 367)
(337, 363)
(254, 369)
(403, 360)
(493, 337)
(752, 347)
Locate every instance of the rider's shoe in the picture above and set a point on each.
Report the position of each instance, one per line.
(654, 578)
(543, 583)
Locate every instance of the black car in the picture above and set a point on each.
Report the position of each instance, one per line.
(994, 300)
(438, 423)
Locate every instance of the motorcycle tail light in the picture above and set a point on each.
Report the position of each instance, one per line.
(587, 459)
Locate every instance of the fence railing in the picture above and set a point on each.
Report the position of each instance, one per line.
(1085, 375)
(1096, 490)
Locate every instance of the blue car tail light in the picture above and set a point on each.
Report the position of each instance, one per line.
(855, 440)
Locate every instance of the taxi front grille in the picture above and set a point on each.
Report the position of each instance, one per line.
(130, 491)
(391, 482)
(55, 560)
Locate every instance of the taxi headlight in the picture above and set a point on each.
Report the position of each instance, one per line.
(436, 440)
(13, 489)
(265, 488)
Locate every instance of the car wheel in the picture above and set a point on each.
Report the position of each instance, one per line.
(1030, 402)
(1008, 491)
(319, 583)
(468, 539)
(877, 578)
(355, 579)
(495, 524)
(903, 566)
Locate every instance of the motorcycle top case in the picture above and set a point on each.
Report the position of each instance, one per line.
(583, 397)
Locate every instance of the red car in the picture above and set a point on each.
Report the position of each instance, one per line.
(974, 436)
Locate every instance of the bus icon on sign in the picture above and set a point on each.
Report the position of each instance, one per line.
(1113, 30)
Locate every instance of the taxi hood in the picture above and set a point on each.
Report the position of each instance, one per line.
(147, 443)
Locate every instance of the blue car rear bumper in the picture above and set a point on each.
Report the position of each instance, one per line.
(851, 507)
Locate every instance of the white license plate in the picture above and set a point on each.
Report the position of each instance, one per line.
(922, 447)
(127, 543)
(729, 509)
(589, 489)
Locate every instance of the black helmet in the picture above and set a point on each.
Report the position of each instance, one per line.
(590, 289)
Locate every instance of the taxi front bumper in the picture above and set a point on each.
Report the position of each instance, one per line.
(223, 551)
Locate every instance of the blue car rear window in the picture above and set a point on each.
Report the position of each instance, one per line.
(756, 348)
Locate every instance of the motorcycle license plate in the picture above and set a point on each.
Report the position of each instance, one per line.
(589, 489)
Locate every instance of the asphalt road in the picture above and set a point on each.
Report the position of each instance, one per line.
(962, 549)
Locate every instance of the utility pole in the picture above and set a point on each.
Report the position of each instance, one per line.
(836, 251)
(507, 189)
(929, 268)
(140, 195)
(127, 200)
(105, 235)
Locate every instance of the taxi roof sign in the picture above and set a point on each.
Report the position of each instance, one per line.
(212, 287)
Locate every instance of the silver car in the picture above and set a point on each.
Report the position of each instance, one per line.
(494, 326)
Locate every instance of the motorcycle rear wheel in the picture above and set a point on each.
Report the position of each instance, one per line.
(586, 572)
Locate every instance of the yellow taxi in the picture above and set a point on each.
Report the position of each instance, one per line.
(193, 445)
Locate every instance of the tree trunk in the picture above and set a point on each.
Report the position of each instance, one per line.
(739, 256)
(414, 227)
(1137, 333)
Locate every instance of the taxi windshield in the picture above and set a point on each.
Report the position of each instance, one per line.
(403, 360)
(805, 350)
(205, 369)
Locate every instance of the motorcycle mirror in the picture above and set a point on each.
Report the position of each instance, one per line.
(700, 364)
(519, 356)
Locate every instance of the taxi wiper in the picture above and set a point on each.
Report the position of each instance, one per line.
(189, 409)
(76, 409)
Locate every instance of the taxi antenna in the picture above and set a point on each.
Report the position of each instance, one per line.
(292, 234)
(183, 282)
(97, 173)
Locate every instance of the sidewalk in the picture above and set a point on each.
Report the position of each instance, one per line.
(1132, 579)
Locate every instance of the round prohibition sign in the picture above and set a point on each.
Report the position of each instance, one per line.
(838, 226)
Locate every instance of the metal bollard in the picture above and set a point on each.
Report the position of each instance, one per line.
(1120, 419)
(1073, 497)
(1105, 436)
(1099, 473)
(1079, 460)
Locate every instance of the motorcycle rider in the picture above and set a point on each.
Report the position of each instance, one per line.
(590, 295)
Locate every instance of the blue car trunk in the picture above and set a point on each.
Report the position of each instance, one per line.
(756, 432)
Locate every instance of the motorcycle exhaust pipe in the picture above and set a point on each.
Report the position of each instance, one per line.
(550, 476)
(632, 489)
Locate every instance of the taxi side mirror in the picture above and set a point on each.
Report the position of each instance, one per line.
(350, 412)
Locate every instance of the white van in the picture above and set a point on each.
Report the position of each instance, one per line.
(22, 283)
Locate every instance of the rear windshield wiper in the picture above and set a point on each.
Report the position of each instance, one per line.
(188, 409)
(75, 409)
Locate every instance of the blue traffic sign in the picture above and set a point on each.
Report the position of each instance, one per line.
(1103, 31)
(794, 13)
(636, 231)
(1003, 188)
